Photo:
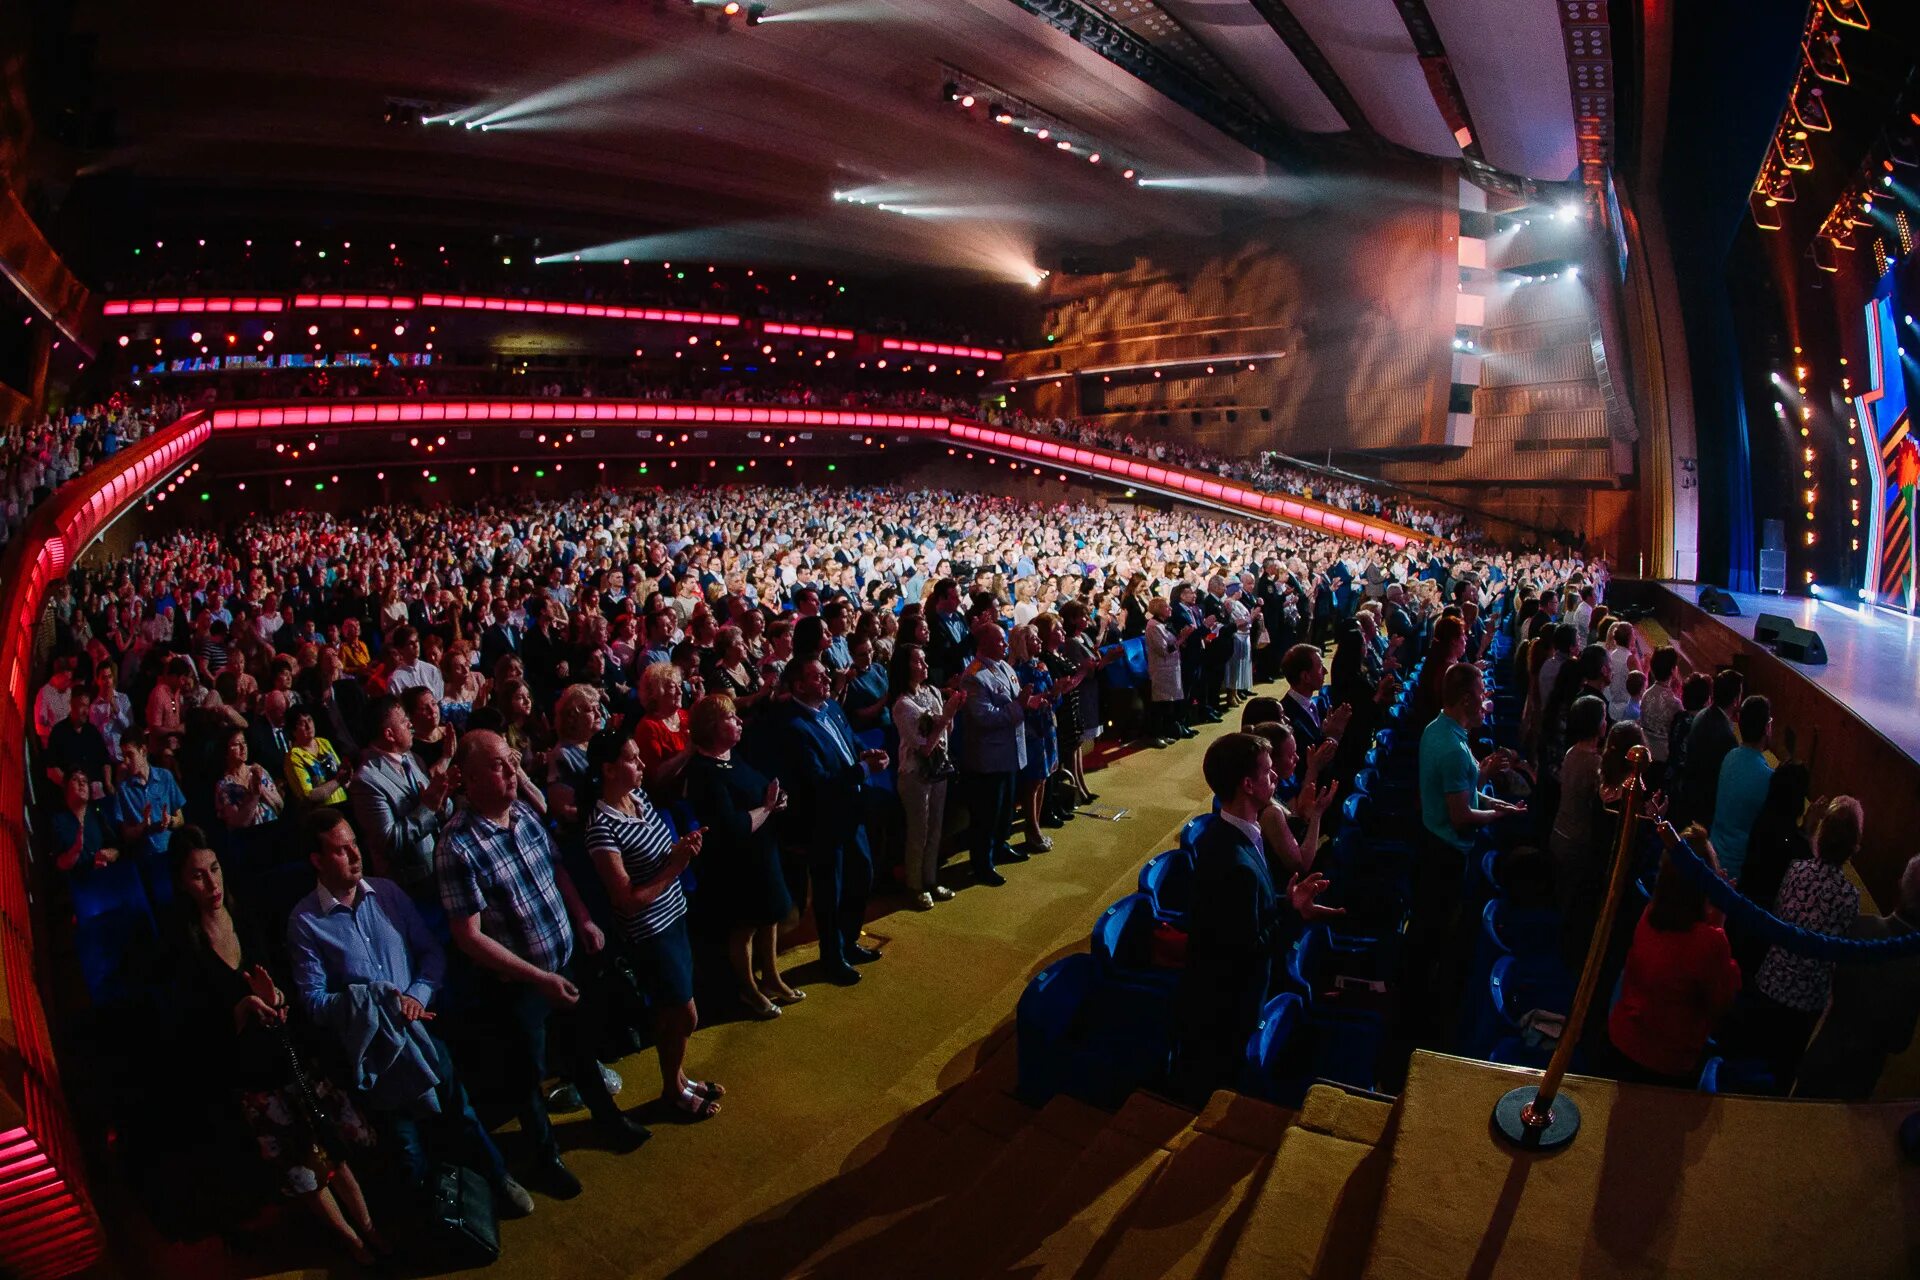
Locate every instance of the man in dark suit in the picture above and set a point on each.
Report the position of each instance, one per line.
(1709, 740)
(499, 639)
(1237, 919)
(1269, 594)
(1306, 672)
(825, 772)
(1193, 651)
(267, 741)
(339, 705)
(947, 640)
(993, 751)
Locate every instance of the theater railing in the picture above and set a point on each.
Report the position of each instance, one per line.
(47, 1222)
(1044, 451)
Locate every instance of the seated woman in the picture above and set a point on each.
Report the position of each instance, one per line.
(639, 861)
(1815, 894)
(316, 775)
(740, 860)
(236, 1014)
(1679, 979)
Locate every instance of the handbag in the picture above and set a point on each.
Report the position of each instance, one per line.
(459, 1228)
(322, 1119)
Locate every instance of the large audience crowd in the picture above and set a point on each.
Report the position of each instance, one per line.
(38, 457)
(434, 771)
(368, 809)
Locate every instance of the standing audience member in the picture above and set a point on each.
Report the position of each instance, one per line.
(398, 809)
(1742, 788)
(1680, 979)
(366, 969)
(1236, 919)
(824, 773)
(515, 916)
(993, 751)
(922, 718)
(736, 806)
(1710, 737)
(640, 861)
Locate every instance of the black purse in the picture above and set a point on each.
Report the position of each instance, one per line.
(459, 1228)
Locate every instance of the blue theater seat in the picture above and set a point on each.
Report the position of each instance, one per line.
(1167, 880)
(1274, 1067)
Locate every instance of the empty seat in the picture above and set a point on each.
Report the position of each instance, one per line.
(1167, 880)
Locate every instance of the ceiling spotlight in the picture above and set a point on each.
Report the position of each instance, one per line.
(1094, 158)
(1127, 174)
(1064, 145)
(312, 329)
(1043, 134)
(966, 100)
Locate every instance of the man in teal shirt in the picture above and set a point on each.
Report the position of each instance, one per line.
(1744, 778)
(1451, 806)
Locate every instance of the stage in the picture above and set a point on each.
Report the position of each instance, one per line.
(1873, 657)
(1856, 719)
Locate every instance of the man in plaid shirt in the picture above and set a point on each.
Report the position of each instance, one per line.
(515, 914)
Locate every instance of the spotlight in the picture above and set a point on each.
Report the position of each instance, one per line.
(966, 100)
(123, 339)
(1127, 174)
(730, 8)
(195, 336)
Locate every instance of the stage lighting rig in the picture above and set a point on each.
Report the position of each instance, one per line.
(972, 95)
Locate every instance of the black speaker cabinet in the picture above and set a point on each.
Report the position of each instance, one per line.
(1719, 603)
(1768, 627)
(1801, 644)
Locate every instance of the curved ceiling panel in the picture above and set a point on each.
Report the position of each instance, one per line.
(1511, 62)
(1241, 39)
(1368, 44)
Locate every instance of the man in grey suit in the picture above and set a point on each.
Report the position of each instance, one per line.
(993, 751)
(397, 807)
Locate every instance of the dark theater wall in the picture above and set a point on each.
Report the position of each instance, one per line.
(1735, 62)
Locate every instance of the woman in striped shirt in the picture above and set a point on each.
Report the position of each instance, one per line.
(639, 861)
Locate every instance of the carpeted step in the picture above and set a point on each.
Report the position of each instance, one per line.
(1094, 1192)
(1184, 1223)
(973, 1224)
(1312, 1219)
(980, 1121)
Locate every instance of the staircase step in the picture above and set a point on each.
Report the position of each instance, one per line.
(1184, 1223)
(1312, 1219)
(1095, 1190)
(1002, 1203)
(980, 1126)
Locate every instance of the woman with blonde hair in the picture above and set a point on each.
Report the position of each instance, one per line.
(661, 732)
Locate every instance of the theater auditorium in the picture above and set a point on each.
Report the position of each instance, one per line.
(1070, 639)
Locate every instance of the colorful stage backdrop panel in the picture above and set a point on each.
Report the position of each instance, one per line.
(1893, 456)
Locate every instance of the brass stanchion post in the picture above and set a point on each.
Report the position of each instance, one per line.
(1536, 1116)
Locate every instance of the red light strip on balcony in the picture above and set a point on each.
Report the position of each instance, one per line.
(941, 349)
(47, 1224)
(190, 306)
(1175, 481)
(351, 302)
(806, 331)
(590, 310)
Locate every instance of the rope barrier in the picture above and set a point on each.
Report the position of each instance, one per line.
(1745, 914)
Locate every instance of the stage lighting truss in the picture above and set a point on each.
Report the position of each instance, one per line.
(987, 102)
(1804, 116)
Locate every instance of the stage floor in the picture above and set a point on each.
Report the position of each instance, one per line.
(1873, 657)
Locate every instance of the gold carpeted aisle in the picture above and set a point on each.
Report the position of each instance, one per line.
(809, 1089)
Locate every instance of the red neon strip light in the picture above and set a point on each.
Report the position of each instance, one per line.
(806, 331)
(351, 302)
(941, 349)
(180, 306)
(1092, 462)
(468, 302)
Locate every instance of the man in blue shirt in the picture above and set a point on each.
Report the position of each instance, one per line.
(147, 809)
(352, 931)
(1745, 776)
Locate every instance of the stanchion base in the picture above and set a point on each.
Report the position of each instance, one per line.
(1510, 1118)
